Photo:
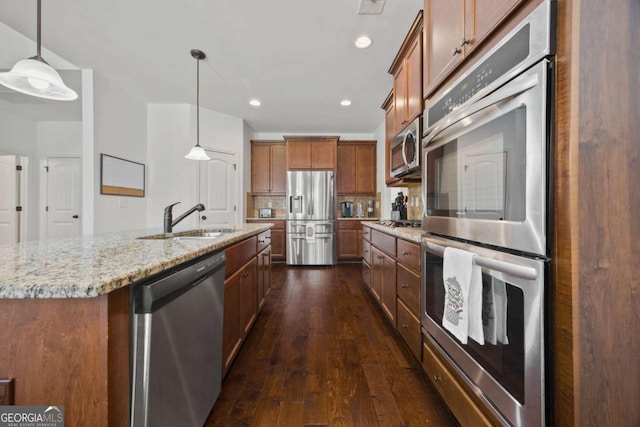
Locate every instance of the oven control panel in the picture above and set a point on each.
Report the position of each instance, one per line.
(503, 60)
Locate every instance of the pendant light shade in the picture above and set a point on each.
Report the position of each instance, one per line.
(35, 77)
(197, 152)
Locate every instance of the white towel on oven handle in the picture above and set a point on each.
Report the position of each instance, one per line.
(456, 277)
(476, 327)
(500, 304)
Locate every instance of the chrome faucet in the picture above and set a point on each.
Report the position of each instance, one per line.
(169, 223)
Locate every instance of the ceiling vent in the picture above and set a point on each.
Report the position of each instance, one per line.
(370, 7)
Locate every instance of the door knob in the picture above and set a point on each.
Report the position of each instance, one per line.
(204, 217)
(75, 216)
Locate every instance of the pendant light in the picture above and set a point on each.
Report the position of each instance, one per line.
(35, 77)
(197, 152)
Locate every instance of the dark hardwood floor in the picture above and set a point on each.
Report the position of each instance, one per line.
(320, 354)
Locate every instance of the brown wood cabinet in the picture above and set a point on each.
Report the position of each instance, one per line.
(356, 167)
(407, 77)
(349, 240)
(392, 266)
(390, 128)
(247, 282)
(304, 152)
(264, 276)
(383, 277)
(268, 173)
(454, 29)
(277, 238)
(409, 294)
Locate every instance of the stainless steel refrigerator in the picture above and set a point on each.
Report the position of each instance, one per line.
(311, 218)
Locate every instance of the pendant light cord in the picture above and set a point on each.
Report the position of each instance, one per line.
(197, 102)
(39, 30)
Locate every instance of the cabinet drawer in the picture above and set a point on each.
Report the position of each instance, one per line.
(349, 225)
(409, 329)
(366, 251)
(264, 240)
(384, 242)
(461, 405)
(409, 289)
(239, 254)
(409, 254)
(366, 233)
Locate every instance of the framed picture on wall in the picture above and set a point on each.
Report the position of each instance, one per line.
(121, 177)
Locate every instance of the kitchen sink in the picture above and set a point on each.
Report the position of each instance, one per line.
(203, 235)
(190, 235)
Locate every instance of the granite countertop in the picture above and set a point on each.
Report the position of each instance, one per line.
(407, 233)
(95, 265)
(358, 219)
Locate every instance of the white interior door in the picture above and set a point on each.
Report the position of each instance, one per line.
(64, 193)
(219, 189)
(8, 200)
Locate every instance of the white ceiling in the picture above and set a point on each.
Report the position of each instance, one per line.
(296, 56)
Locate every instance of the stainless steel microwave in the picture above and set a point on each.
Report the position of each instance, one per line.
(404, 152)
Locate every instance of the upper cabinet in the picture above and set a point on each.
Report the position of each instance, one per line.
(311, 152)
(453, 29)
(268, 174)
(356, 167)
(407, 78)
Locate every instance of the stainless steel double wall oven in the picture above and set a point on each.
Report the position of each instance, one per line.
(486, 189)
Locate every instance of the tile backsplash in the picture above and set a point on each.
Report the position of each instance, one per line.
(279, 204)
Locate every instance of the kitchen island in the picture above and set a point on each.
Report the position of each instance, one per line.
(65, 312)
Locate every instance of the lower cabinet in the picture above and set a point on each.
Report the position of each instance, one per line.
(247, 282)
(383, 277)
(264, 276)
(391, 269)
(349, 240)
(277, 238)
(463, 407)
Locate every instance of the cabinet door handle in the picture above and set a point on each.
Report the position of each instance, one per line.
(437, 378)
(405, 253)
(405, 326)
(245, 274)
(204, 217)
(405, 286)
(260, 241)
(464, 41)
(456, 51)
(75, 217)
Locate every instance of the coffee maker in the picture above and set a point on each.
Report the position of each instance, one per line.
(399, 207)
(347, 209)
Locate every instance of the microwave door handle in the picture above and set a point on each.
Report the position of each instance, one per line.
(404, 151)
(511, 90)
(492, 264)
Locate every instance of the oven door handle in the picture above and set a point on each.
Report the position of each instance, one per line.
(515, 88)
(516, 270)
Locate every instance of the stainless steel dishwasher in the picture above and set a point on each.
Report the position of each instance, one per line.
(177, 344)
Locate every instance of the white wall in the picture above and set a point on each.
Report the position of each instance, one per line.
(59, 139)
(17, 134)
(120, 129)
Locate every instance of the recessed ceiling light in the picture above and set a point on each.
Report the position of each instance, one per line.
(254, 103)
(363, 42)
(345, 102)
